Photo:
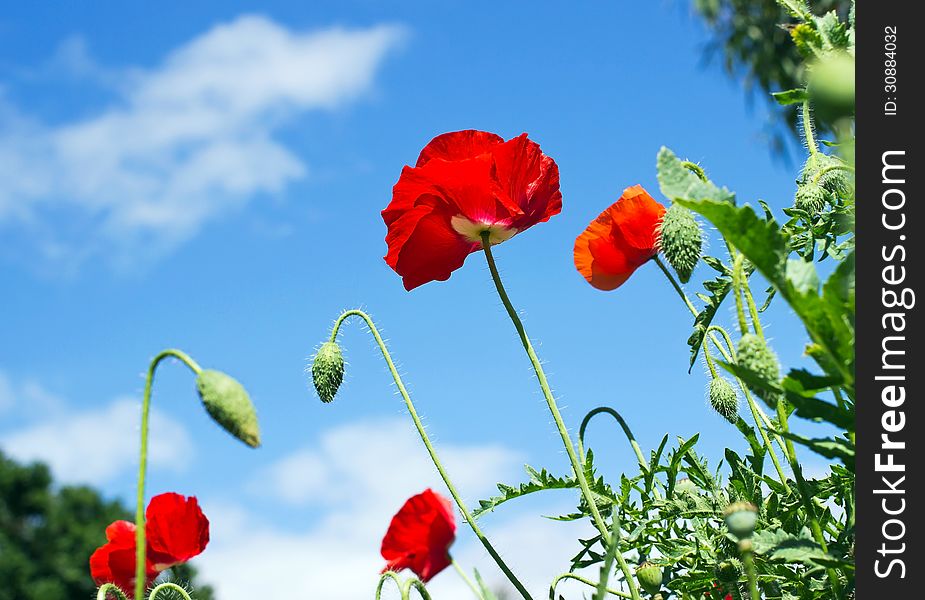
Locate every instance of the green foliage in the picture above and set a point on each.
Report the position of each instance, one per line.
(47, 536)
(765, 44)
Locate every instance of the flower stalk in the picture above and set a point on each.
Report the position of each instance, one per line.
(577, 467)
(470, 520)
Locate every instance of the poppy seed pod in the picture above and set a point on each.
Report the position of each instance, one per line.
(729, 570)
(681, 240)
(740, 518)
(685, 486)
(328, 371)
(754, 355)
(649, 577)
(723, 399)
(229, 405)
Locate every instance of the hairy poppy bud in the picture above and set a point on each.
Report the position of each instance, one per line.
(729, 570)
(649, 577)
(723, 399)
(740, 519)
(228, 404)
(681, 240)
(754, 355)
(328, 371)
(810, 198)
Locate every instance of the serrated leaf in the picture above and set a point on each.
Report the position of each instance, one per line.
(678, 182)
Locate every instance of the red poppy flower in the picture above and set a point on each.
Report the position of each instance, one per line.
(620, 240)
(176, 530)
(465, 183)
(114, 562)
(420, 535)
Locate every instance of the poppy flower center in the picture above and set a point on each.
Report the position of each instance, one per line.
(472, 230)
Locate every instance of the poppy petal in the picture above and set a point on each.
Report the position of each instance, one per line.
(420, 535)
(620, 240)
(177, 530)
(458, 145)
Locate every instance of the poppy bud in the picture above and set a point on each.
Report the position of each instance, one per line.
(729, 570)
(649, 577)
(228, 404)
(328, 370)
(681, 240)
(810, 198)
(723, 399)
(754, 355)
(740, 519)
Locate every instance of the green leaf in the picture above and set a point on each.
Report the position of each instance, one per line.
(539, 481)
(796, 96)
(678, 182)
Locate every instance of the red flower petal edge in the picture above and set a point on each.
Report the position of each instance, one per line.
(463, 184)
(176, 530)
(620, 240)
(420, 535)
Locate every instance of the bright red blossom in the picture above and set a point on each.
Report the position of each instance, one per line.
(464, 184)
(420, 535)
(620, 240)
(176, 530)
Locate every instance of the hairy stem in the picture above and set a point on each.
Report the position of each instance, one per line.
(550, 401)
(428, 445)
(584, 580)
(110, 588)
(626, 431)
(140, 544)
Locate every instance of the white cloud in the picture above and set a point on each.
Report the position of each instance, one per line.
(89, 446)
(351, 482)
(186, 141)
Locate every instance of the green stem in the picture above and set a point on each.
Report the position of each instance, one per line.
(550, 401)
(677, 286)
(427, 444)
(418, 585)
(169, 586)
(110, 588)
(805, 494)
(623, 425)
(808, 129)
(584, 580)
(737, 273)
(467, 579)
(745, 547)
(612, 551)
(752, 307)
(140, 545)
(762, 422)
(389, 575)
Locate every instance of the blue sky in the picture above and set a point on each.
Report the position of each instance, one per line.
(209, 176)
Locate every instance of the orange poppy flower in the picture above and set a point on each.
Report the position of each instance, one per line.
(620, 240)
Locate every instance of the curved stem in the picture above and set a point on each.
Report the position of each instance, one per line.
(140, 546)
(110, 588)
(752, 307)
(550, 402)
(626, 430)
(429, 446)
(169, 586)
(388, 575)
(584, 580)
(418, 585)
(467, 579)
